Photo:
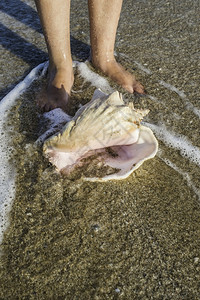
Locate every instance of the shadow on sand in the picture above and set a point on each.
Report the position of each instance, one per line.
(28, 52)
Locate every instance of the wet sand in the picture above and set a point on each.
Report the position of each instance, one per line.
(132, 239)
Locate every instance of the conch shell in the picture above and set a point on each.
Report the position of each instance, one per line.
(109, 130)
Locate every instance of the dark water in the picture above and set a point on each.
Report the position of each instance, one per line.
(133, 239)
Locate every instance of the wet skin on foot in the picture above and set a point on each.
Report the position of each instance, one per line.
(56, 94)
(117, 73)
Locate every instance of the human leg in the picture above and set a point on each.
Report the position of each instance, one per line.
(104, 16)
(55, 20)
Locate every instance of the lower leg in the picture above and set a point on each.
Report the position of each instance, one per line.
(54, 17)
(104, 17)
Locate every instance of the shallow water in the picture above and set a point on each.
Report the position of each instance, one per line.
(133, 239)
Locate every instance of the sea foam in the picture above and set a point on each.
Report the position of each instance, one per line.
(7, 171)
(95, 79)
(185, 175)
(176, 141)
(182, 95)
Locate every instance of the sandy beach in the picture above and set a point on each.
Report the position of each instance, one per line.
(137, 238)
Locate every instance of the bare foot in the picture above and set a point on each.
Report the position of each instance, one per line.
(57, 91)
(117, 73)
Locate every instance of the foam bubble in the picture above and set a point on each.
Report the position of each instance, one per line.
(56, 119)
(154, 99)
(7, 171)
(95, 79)
(178, 142)
(185, 175)
(143, 68)
(182, 95)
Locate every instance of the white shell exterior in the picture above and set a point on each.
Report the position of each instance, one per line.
(105, 122)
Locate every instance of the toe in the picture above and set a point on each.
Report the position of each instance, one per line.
(128, 88)
(138, 88)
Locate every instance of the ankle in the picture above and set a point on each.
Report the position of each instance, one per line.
(60, 68)
(61, 76)
(103, 62)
